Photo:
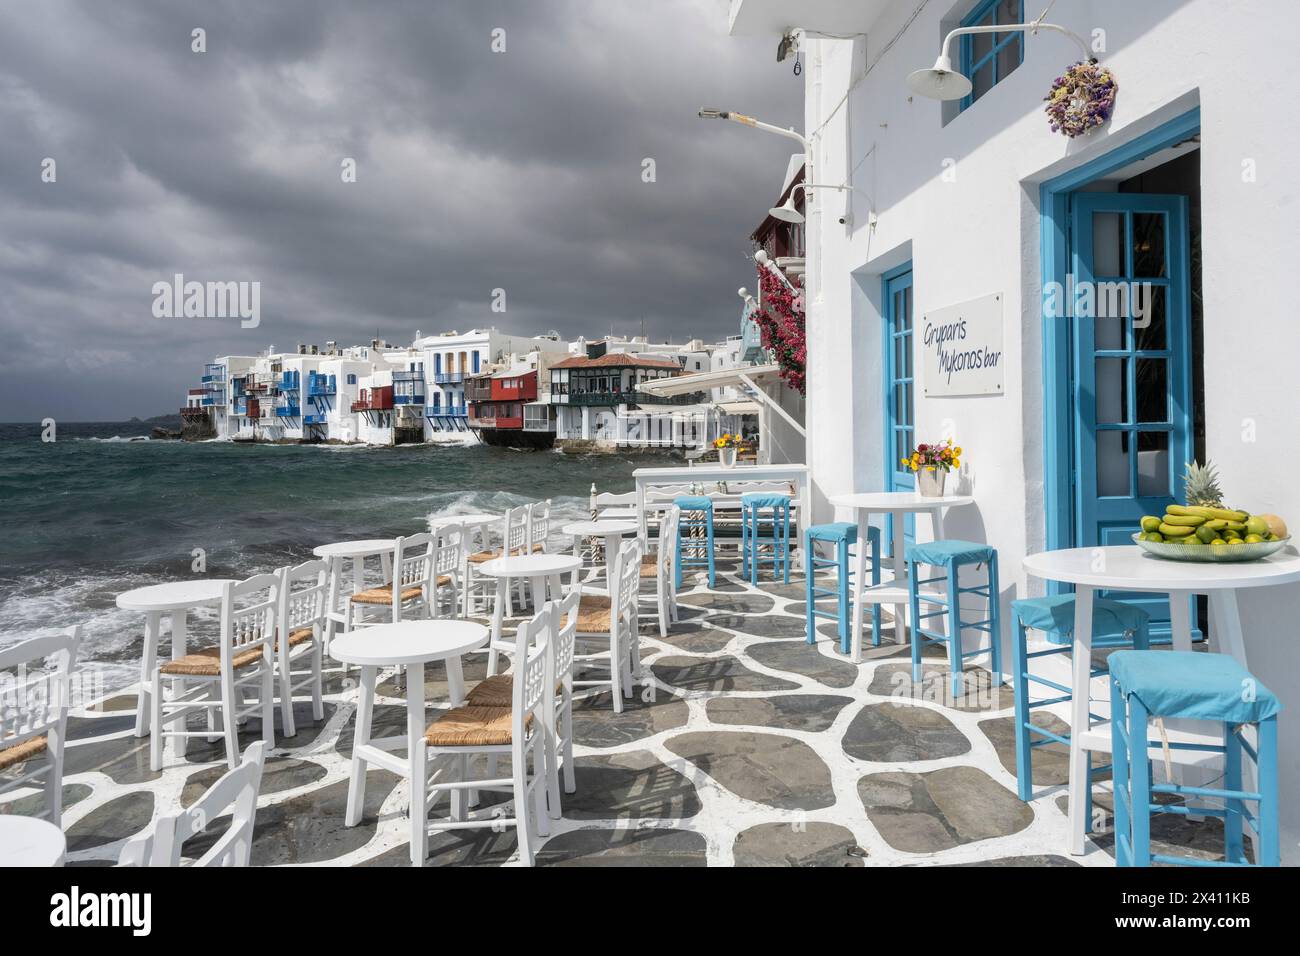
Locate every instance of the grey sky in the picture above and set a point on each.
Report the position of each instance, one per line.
(475, 170)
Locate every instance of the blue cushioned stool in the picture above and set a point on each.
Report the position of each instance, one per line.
(1159, 684)
(695, 534)
(1114, 624)
(842, 534)
(752, 507)
(952, 555)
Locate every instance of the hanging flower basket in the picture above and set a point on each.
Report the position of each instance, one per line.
(1081, 100)
(781, 328)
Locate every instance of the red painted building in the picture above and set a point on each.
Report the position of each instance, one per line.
(496, 409)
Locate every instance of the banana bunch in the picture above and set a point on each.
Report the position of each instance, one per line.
(1198, 525)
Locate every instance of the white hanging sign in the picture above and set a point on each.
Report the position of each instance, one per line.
(961, 348)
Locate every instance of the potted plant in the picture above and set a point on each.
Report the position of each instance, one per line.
(931, 464)
(727, 446)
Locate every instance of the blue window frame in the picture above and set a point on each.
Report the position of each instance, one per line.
(476, 362)
(352, 380)
(899, 379)
(988, 58)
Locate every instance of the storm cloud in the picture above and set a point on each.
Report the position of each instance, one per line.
(475, 170)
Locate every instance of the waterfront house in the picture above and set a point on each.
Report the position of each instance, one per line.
(956, 249)
(595, 398)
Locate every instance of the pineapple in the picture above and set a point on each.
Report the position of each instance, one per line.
(1201, 485)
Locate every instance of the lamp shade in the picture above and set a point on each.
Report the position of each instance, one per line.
(940, 82)
(786, 211)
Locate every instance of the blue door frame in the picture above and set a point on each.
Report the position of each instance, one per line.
(1063, 517)
(898, 349)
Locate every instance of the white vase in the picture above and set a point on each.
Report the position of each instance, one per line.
(727, 457)
(930, 483)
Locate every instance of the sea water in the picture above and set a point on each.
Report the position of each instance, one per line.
(99, 511)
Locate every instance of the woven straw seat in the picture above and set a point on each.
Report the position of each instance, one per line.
(384, 593)
(472, 727)
(11, 756)
(479, 557)
(207, 662)
(594, 614)
(539, 547)
(300, 636)
(497, 691)
(649, 565)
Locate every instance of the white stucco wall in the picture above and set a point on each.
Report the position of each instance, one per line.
(979, 234)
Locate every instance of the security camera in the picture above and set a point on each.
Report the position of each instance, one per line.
(846, 219)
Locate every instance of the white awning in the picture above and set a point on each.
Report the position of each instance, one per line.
(705, 381)
(738, 408)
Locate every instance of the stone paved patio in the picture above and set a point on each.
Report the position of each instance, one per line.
(745, 746)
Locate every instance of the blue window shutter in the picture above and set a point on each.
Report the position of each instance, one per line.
(475, 361)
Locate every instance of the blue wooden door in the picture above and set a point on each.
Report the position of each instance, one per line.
(1132, 381)
(899, 398)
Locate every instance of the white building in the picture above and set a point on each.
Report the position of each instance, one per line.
(974, 211)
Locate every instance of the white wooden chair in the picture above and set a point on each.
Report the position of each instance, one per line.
(657, 566)
(449, 570)
(235, 792)
(607, 500)
(539, 526)
(411, 591)
(34, 703)
(614, 619)
(514, 540)
(302, 616)
(213, 679)
(517, 732)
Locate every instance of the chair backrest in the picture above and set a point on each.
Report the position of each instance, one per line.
(412, 562)
(34, 699)
(516, 531)
(532, 670)
(608, 499)
(448, 550)
(627, 572)
(248, 613)
(236, 792)
(303, 592)
(669, 525)
(564, 628)
(539, 523)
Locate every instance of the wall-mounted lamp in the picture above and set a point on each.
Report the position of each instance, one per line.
(942, 82)
(741, 118)
(786, 212)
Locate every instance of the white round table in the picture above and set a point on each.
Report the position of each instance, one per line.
(174, 599)
(28, 841)
(899, 504)
(409, 645)
(542, 572)
(475, 525)
(611, 531)
(1129, 568)
(357, 552)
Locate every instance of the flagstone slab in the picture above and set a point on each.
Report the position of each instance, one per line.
(941, 809)
(775, 626)
(694, 638)
(115, 704)
(474, 667)
(786, 844)
(90, 728)
(804, 659)
(115, 820)
(901, 733)
(770, 769)
(125, 760)
(812, 713)
(386, 720)
(724, 673)
(977, 694)
(635, 785)
(748, 602)
(650, 846)
(596, 725)
(201, 750)
(33, 804)
(1051, 761)
(1046, 859)
(279, 774)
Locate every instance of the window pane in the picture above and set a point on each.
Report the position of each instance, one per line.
(1152, 390)
(1107, 244)
(907, 356)
(1149, 330)
(1008, 57)
(981, 44)
(1112, 463)
(1112, 390)
(1153, 464)
(982, 80)
(1108, 333)
(907, 309)
(1149, 245)
(1009, 11)
(900, 357)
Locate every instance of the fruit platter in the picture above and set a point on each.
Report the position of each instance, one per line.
(1205, 529)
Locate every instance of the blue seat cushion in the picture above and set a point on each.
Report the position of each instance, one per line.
(763, 499)
(836, 531)
(950, 552)
(1113, 622)
(694, 502)
(1192, 684)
